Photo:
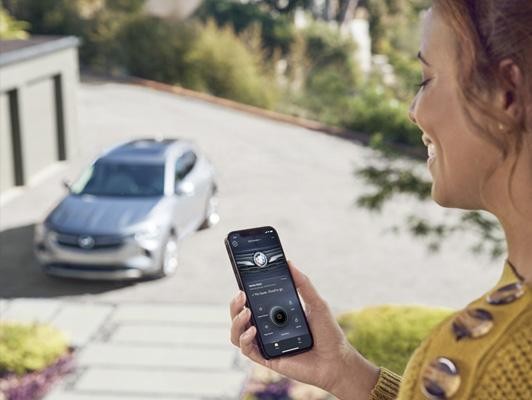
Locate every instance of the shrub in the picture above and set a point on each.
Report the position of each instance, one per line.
(373, 110)
(277, 30)
(326, 47)
(26, 348)
(388, 335)
(323, 65)
(156, 49)
(10, 28)
(221, 64)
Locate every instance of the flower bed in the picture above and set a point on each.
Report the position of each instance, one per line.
(265, 384)
(32, 358)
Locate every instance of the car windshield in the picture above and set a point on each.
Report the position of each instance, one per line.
(106, 178)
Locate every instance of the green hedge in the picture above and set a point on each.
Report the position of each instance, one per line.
(388, 335)
(221, 64)
(375, 111)
(156, 49)
(26, 348)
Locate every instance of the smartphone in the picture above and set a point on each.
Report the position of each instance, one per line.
(262, 272)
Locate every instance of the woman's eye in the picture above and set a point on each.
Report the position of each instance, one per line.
(422, 84)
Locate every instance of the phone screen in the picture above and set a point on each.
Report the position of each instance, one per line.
(264, 275)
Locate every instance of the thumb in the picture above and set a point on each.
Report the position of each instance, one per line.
(305, 287)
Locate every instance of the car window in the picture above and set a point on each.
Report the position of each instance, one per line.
(184, 164)
(106, 178)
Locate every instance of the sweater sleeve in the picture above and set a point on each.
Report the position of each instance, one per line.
(387, 386)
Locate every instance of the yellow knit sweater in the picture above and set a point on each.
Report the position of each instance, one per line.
(495, 366)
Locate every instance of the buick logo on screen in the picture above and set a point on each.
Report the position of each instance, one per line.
(86, 242)
(260, 259)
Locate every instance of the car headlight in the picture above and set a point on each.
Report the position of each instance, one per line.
(40, 232)
(43, 235)
(148, 234)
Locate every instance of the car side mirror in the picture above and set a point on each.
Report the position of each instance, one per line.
(184, 189)
(67, 185)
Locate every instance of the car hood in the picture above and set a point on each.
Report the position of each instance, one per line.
(103, 215)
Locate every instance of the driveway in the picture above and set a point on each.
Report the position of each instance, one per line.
(269, 173)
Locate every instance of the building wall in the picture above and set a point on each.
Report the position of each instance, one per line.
(7, 173)
(39, 139)
(36, 82)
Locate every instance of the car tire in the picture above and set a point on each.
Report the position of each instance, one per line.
(211, 217)
(169, 257)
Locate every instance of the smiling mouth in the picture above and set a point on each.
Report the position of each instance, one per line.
(431, 151)
(431, 148)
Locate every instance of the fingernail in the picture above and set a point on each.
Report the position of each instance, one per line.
(241, 295)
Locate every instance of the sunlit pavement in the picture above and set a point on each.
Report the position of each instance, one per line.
(141, 351)
(269, 173)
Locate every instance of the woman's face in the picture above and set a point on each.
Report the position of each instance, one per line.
(459, 161)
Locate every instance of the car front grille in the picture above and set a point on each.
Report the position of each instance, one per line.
(99, 242)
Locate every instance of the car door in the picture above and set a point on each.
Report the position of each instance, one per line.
(201, 177)
(186, 191)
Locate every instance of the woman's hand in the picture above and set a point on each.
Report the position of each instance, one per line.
(332, 364)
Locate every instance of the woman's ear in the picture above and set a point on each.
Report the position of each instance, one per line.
(512, 84)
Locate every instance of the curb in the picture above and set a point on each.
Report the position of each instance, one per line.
(261, 112)
(343, 133)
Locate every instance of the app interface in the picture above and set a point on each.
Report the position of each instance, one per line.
(270, 291)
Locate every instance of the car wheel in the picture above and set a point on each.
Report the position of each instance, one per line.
(169, 260)
(211, 211)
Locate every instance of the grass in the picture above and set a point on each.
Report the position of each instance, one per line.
(388, 335)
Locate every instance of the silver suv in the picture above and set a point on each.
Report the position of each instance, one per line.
(125, 215)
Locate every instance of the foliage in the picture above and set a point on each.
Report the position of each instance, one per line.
(395, 23)
(222, 65)
(26, 348)
(390, 180)
(375, 111)
(117, 37)
(327, 47)
(10, 28)
(156, 49)
(276, 28)
(395, 28)
(53, 17)
(323, 72)
(97, 22)
(408, 74)
(388, 335)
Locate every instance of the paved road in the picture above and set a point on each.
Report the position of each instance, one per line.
(297, 180)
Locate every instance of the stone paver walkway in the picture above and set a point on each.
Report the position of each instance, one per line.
(141, 351)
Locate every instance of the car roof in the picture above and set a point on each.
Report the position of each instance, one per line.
(147, 150)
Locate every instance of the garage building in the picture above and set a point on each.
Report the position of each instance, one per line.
(38, 84)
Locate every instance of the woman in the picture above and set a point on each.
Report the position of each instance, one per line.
(474, 108)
